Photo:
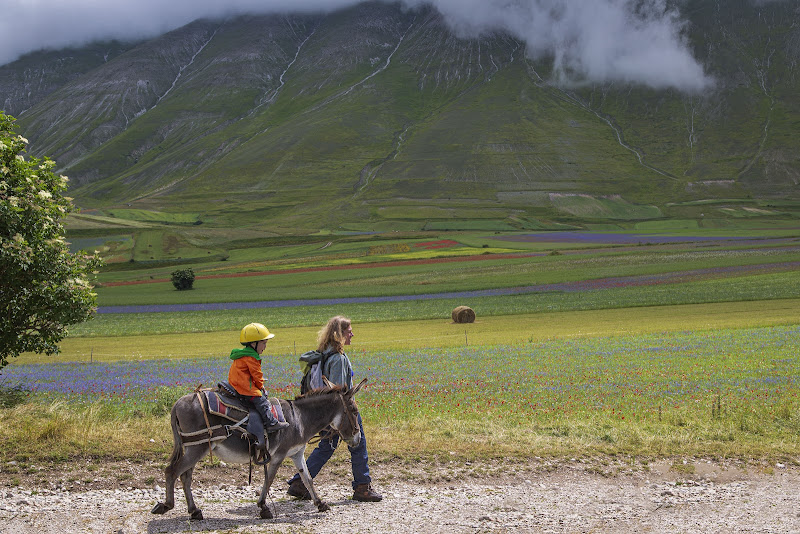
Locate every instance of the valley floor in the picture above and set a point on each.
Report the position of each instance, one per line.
(678, 277)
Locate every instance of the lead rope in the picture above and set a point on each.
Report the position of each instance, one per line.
(208, 425)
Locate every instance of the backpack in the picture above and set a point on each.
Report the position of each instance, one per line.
(312, 363)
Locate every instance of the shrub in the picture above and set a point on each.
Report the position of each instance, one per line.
(183, 279)
(11, 396)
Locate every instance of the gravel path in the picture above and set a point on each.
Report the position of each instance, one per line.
(548, 497)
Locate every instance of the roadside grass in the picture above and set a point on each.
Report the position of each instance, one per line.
(721, 393)
(59, 431)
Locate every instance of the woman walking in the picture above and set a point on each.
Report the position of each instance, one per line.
(337, 368)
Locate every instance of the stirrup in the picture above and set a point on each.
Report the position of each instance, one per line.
(261, 455)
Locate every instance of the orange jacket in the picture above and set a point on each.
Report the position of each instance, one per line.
(245, 373)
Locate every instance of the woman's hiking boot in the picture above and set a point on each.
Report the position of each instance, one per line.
(299, 490)
(365, 493)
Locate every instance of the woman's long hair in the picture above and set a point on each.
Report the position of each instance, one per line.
(332, 334)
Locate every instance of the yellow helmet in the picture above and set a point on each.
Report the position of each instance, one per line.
(254, 332)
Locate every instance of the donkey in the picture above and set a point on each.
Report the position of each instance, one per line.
(309, 414)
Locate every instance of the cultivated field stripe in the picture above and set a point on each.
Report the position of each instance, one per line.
(581, 285)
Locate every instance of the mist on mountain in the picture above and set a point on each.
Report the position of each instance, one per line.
(641, 42)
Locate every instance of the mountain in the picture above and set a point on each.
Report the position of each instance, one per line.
(380, 117)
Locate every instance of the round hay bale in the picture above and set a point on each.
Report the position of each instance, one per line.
(463, 314)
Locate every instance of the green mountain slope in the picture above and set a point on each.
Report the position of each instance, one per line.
(24, 83)
(386, 118)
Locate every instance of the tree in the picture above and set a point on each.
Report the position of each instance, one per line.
(183, 279)
(43, 286)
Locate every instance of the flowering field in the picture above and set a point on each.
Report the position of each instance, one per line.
(750, 376)
(142, 386)
(640, 378)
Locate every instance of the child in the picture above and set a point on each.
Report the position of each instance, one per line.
(246, 378)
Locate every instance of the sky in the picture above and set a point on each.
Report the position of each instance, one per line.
(590, 40)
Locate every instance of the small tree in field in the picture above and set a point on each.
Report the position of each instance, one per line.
(43, 287)
(183, 279)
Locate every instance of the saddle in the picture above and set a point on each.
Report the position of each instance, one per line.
(226, 402)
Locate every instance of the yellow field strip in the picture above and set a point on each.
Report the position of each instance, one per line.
(511, 329)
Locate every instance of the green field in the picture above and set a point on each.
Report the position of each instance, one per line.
(593, 363)
(744, 266)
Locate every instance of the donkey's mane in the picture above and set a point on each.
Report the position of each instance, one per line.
(321, 391)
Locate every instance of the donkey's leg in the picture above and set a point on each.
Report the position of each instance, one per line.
(171, 476)
(183, 469)
(169, 501)
(178, 469)
(186, 480)
(169, 472)
(300, 463)
(270, 470)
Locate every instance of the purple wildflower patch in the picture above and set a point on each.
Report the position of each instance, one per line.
(638, 377)
(135, 382)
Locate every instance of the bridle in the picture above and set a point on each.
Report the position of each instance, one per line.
(352, 415)
(329, 432)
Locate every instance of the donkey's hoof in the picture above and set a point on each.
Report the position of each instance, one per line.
(161, 508)
(196, 515)
(265, 513)
(323, 506)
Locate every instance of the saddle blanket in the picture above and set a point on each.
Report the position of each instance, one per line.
(233, 409)
(221, 403)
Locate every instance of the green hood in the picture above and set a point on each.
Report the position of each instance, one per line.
(245, 351)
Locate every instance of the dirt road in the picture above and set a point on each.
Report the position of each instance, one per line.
(543, 496)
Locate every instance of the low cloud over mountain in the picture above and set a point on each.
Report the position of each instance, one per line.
(600, 41)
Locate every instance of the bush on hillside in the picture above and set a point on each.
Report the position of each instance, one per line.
(183, 279)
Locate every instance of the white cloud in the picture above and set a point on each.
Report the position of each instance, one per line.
(590, 40)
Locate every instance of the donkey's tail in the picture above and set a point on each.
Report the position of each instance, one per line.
(177, 441)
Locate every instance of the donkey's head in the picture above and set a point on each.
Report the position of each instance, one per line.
(346, 421)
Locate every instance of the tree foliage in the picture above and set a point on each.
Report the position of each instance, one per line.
(43, 286)
(183, 279)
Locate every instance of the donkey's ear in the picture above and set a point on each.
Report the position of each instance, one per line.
(360, 384)
(327, 383)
